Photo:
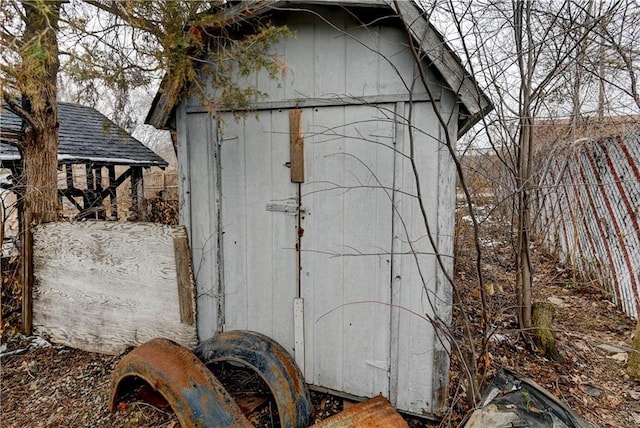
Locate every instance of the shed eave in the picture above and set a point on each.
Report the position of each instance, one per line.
(445, 60)
(161, 109)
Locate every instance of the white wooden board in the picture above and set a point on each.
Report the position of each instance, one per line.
(199, 208)
(419, 291)
(104, 286)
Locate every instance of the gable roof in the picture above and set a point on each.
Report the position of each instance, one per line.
(85, 135)
(475, 104)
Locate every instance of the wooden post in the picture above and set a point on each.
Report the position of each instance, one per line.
(98, 175)
(24, 224)
(88, 195)
(27, 276)
(113, 191)
(164, 184)
(69, 170)
(296, 146)
(98, 199)
(137, 192)
(90, 179)
(185, 285)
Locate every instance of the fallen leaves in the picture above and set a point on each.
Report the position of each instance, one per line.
(590, 377)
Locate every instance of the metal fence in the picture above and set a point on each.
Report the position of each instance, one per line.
(589, 208)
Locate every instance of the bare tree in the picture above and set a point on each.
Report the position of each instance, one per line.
(29, 87)
(522, 51)
(620, 36)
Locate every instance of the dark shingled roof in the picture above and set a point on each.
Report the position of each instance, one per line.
(85, 135)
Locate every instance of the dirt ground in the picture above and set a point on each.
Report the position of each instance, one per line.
(52, 386)
(593, 336)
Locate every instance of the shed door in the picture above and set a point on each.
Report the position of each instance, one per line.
(258, 225)
(345, 273)
(342, 228)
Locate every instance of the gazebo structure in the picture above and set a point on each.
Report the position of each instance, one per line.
(86, 137)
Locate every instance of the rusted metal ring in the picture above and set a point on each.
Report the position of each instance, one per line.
(196, 396)
(271, 362)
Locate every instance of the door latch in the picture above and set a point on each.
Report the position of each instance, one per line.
(282, 208)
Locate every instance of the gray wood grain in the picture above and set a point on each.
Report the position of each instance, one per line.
(103, 286)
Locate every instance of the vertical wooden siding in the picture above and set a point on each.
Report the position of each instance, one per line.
(339, 58)
(199, 204)
(346, 254)
(590, 205)
(421, 293)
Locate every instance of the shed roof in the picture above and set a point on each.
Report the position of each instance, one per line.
(474, 101)
(85, 135)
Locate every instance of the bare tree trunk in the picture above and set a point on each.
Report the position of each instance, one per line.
(40, 160)
(524, 154)
(524, 273)
(39, 145)
(39, 110)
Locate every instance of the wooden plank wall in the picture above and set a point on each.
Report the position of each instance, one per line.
(105, 286)
(198, 181)
(416, 278)
(589, 204)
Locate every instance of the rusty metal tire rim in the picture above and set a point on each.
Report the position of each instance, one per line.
(271, 362)
(196, 396)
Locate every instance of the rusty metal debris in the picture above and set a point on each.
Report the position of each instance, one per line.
(195, 395)
(373, 413)
(271, 362)
(182, 378)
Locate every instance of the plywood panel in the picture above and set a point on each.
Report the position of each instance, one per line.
(103, 286)
(346, 248)
(259, 244)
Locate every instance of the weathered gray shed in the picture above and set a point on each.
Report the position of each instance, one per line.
(305, 218)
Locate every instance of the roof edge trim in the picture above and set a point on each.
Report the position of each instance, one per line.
(431, 43)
